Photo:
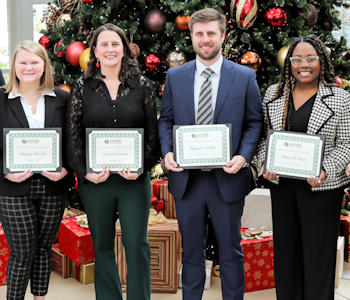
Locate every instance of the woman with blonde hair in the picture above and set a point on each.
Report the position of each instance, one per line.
(31, 205)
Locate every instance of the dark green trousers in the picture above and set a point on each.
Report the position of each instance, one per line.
(131, 199)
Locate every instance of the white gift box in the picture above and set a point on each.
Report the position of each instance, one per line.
(208, 271)
(257, 209)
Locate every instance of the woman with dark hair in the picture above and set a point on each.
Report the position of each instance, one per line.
(113, 94)
(306, 212)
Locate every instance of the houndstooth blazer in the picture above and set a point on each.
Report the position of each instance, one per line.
(330, 117)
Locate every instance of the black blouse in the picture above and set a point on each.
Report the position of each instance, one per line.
(299, 119)
(92, 107)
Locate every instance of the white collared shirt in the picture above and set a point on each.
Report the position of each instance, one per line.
(36, 120)
(199, 79)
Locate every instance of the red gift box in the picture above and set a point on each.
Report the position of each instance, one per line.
(345, 231)
(156, 183)
(75, 242)
(258, 264)
(4, 256)
(165, 245)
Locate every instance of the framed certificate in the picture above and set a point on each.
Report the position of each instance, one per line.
(202, 146)
(114, 148)
(294, 154)
(32, 149)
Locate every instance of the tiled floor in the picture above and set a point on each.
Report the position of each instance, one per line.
(70, 289)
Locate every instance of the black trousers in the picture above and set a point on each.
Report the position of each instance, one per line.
(305, 230)
(30, 224)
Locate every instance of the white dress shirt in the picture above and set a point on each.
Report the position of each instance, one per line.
(36, 120)
(199, 79)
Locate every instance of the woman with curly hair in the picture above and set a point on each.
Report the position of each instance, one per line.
(306, 212)
(113, 94)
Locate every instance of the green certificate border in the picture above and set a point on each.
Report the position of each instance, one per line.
(215, 162)
(91, 154)
(9, 134)
(288, 136)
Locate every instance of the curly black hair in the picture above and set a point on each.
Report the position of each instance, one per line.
(286, 79)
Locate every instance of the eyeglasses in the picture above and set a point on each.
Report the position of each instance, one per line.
(310, 60)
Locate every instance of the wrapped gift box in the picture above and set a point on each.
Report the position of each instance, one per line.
(60, 262)
(170, 211)
(164, 240)
(208, 272)
(257, 209)
(156, 183)
(83, 273)
(4, 256)
(258, 264)
(72, 212)
(345, 231)
(75, 242)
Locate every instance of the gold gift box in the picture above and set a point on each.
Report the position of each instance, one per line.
(83, 273)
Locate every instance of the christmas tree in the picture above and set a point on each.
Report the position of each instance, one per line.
(258, 33)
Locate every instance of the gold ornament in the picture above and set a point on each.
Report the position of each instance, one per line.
(345, 82)
(84, 59)
(251, 60)
(62, 19)
(175, 58)
(281, 55)
(329, 51)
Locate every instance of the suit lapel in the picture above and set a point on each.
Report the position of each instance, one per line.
(17, 109)
(321, 112)
(49, 110)
(275, 109)
(226, 82)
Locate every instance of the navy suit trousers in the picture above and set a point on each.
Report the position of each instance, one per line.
(202, 197)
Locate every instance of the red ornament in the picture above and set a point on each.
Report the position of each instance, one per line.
(73, 52)
(155, 21)
(277, 17)
(244, 12)
(45, 42)
(159, 207)
(62, 52)
(86, 1)
(152, 62)
(154, 200)
(58, 44)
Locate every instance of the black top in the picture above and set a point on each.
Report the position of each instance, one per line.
(92, 107)
(12, 116)
(299, 119)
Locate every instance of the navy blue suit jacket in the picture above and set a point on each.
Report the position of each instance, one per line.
(238, 103)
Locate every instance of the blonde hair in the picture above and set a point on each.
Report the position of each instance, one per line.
(46, 81)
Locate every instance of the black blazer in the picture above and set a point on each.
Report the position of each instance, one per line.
(12, 116)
